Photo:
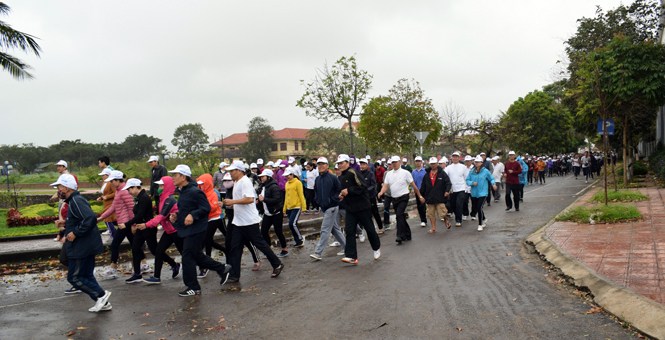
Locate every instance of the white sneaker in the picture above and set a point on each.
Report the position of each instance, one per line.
(457, 224)
(423, 224)
(55, 240)
(361, 236)
(463, 218)
(473, 218)
(480, 228)
(377, 254)
(341, 253)
(107, 306)
(160, 228)
(107, 232)
(110, 273)
(145, 268)
(316, 256)
(335, 244)
(101, 302)
(484, 223)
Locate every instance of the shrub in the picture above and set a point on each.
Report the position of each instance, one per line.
(639, 169)
(657, 161)
(621, 195)
(611, 213)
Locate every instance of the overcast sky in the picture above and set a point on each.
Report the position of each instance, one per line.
(114, 68)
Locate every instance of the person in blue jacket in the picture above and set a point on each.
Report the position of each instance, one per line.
(478, 180)
(522, 176)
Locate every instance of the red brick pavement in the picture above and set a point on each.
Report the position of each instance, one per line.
(630, 254)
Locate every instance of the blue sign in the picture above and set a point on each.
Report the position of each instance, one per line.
(609, 126)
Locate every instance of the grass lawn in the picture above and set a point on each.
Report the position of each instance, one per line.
(618, 196)
(47, 209)
(616, 212)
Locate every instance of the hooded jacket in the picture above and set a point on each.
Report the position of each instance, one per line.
(294, 196)
(157, 172)
(192, 201)
(481, 188)
(326, 190)
(357, 198)
(209, 190)
(142, 209)
(217, 180)
(354, 165)
(122, 206)
(281, 180)
(370, 180)
(435, 193)
(82, 221)
(525, 170)
(272, 197)
(167, 206)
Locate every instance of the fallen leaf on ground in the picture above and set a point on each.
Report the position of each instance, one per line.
(515, 299)
(208, 329)
(81, 327)
(144, 324)
(509, 254)
(71, 333)
(640, 336)
(459, 329)
(594, 310)
(149, 332)
(131, 333)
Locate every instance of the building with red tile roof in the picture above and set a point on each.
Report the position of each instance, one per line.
(287, 142)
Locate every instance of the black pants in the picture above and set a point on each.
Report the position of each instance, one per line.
(422, 210)
(245, 234)
(209, 242)
(541, 176)
(375, 212)
(403, 229)
(456, 204)
(387, 200)
(309, 197)
(529, 176)
(164, 243)
(521, 191)
(352, 220)
(477, 203)
(513, 189)
(147, 235)
(229, 244)
(274, 221)
(496, 193)
(120, 235)
(465, 204)
(192, 256)
(63, 256)
(489, 193)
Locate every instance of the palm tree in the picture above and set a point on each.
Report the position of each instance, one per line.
(11, 39)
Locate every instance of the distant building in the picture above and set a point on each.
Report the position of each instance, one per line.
(287, 142)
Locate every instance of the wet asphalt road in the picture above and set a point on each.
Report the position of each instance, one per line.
(427, 288)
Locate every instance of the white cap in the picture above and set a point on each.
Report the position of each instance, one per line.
(159, 182)
(66, 180)
(495, 158)
(182, 169)
(199, 182)
(362, 160)
(443, 160)
(342, 158)
(478, 159)
(368, 157)
(267, 172)
(259, 161)
(432, 160)
(482, 154)
(253, 166)
(418, 158)
(336, 167)
(227, 177)
(236, 165)
(287, 172)
(455, 153)
(404, 160)
(379, 162)
(270, 163)
(468, 158)
(511, 152)
(115, 174)
(292, 160)
(106, 171)
(132, 182)
(282, 165)
(322, 160)
(153, 159)
(246, 166)
(223, 165)
(383, 159)
(394, 159)
(61, 162)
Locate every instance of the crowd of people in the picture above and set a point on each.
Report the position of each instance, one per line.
(245, 201)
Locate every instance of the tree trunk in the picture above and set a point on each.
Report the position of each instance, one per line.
(351, 135)
(625, 149)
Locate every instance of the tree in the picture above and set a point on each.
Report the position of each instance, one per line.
(336, 92)
(141, 146)
(259, 140)
(488, 133)
(329, 141)
(190, 138)
(452, 117)
(390, 121)
(12, 39)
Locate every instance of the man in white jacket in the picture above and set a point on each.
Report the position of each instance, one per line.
(457, 173)
(498, 175)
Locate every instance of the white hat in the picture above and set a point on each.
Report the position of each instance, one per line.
(322, 160)
(495, 158)
(132, 182)
(292, 160)
(379, 162)
(223, 165)
(253, 166)
(61, 162)
(182, 169)
(511, 152)
(362, 160)
(106, 171)
(267, 172)
(259, 161)
(394, 159)
(336, 167)
(199, 182)
(246, 166)
(404, 160)
(115, 174)
(482, 154)
(418, 158)
(432, 160)
(443, 160)
(282, 165)
(227, 177)
(287, 172)
(368, 157)
(159, 182)
(478, 159)
(270, 163)
(153, 159)
(66, 180)
(468, 158)
(236, 165)
(342, 158)
(383, 159)
(455, 153)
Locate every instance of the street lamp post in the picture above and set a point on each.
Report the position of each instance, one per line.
(7, 168)
(165, 158)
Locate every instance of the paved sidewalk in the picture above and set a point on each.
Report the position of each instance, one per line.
(631, 255)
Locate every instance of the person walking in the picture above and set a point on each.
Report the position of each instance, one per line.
(478, 179)
(156, 173)
(294, 204)
(498, 177)
(271, 199)
(522, 177)
(218, 178)
(215, 220)
(312, 174)
(399, 180)
(541, 170)
(457, 173)
(435, 188)
(108, 194)
(371, 188)
(142, 211)
(512, 173)
(326, 193)
(586, 166)
(576, 165)
(418, 174)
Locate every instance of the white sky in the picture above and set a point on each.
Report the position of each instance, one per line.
(114, 68)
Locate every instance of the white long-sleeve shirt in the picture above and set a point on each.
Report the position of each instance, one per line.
(457, 174)
(498, 171)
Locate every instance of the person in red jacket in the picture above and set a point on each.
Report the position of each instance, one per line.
(380, 172)
(512, 171)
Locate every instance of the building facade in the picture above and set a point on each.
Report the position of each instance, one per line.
(288, 142)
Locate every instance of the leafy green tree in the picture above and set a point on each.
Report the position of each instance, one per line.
(336, 92)
(390, 121)
(259, 140)
(141, 146)
(190, 138)
(11, 39)
(329, 141)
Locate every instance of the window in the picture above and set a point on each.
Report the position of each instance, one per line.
(274, 146)
(282, 146)
(296, 144)
(303, 146)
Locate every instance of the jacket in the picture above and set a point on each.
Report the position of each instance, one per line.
(167, 206)
(525, 169)
(109, 195)
(380, 171)
(217, 181)
(209, 190)
(326, 190)
(272, 196)
(294, 196)
(370, 180)
(157, 173)
(435, 193)
(142, 209)
(357, 198)
(82, 221)
(122, 206)
(192, 201)
(481, 188)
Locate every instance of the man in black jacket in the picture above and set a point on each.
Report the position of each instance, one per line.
(271, 203)
(142, 213)
(358, 208)
(158, 171)
(435, 188)
(370, 179)
(326, 195)
(191, 221)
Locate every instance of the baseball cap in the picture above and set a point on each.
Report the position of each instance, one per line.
(182, 169)
(456, 153)
(418, 158)
(282, 165)
(159, 182)
(379, 162)
(132, 182)
(432, 160)
(368, 157)
(66, 180)
(106, 171)
(495, 158)
(253, 166)
(236, 165)
(383, 159)
(270, 163)
(322, 160)
(259, 161)
(222, 165)
(287, 172)
(61, 162)
(227, 177)
(394, 159)
(362, 160)
(511, 152)
(404, 160)
(478, 159)
(115, 174)
(199, 182)
(153, 159)
(342, 158)
(291, 160)
(468, 158)
(443, 160)
(267, 172)
(482, 154)
(336, 167)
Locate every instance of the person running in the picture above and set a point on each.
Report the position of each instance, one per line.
(358, 210)
(83, 242)
(399, 180)
(312, 174)
(156, 173)
(294, 204)
(271, 198)
(576, 165)
(550, 167)
(371, 188)
(215, 220)
(167, 206)
(457, 173)
(191, 223)
(586, 166)
(142, 211)
(218, 178)
(522, 177)
(246, 221)
(435, 188)
(529, 174)
(498, 177)
(380, 171)
(478, 179)
(468, 163)
(326, 194)
(541, 170)
(418, 174)
(512, 173)
(108, 194)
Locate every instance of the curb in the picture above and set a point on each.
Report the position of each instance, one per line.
(642, 313)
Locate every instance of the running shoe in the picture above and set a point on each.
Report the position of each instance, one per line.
(335, 244)
(152, 280)
(457, 224)
(73, 290)
(377, 254)
(145, 268)
(189, 292)
(225, 274)
(473, 218)
(107, 232)
(423, 224)
(341, 253)
(101, 302)
(316, 256)
(110, 273)
(350, 260)
(387, 227)
(202, 273)
(283, 253)
(107, 307)
(135, 279)
(463, 218)
(480, 228)
(301, 244)
(176, 270)
(361, 236)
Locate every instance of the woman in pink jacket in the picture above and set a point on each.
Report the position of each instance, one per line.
(122, 206)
